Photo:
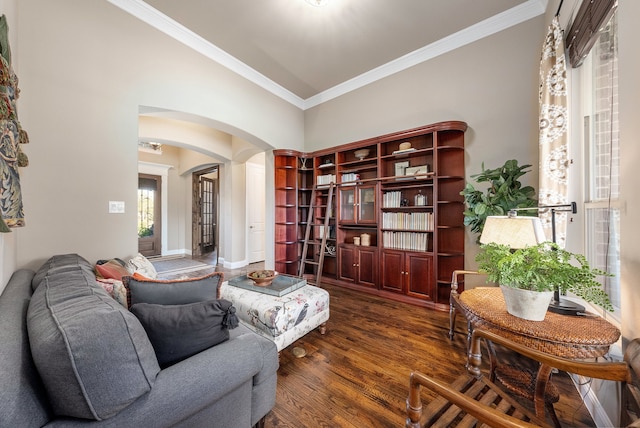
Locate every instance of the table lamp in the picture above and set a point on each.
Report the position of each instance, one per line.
(519, 232)
(512, 231)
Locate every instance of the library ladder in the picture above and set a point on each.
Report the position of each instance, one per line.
(320, 221)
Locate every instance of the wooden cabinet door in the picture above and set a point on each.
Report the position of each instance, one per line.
(367, 266)
(347, 264)
(420, 275)
(366, 204)
(392, 270)
(347, 205)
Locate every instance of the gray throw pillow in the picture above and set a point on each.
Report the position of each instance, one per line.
(173, 292)
(93, 356)
(180, 331)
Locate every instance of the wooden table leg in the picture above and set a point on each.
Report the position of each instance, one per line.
(542, 379)
(452, 321)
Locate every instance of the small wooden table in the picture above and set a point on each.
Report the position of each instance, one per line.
(572, 337)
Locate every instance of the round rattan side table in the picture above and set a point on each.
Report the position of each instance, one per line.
(573, 337)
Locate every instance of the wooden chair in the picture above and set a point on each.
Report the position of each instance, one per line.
(473, 400)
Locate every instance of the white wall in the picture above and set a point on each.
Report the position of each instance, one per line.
(629, 66)
(85, 70)
(233, 184)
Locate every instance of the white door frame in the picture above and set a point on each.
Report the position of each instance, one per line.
(255, 204)
(163, 171)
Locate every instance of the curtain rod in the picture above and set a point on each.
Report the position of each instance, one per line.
(559, 7)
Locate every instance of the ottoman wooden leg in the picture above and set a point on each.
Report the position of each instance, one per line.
(322, 328)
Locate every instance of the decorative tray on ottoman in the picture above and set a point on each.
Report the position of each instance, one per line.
(281, 285)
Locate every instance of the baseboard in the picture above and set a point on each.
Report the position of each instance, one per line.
(591, 401)
(233, 265)
(182, 252)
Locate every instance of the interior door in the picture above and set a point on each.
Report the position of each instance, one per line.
(149, 221)
(255, 212)
(207, 215)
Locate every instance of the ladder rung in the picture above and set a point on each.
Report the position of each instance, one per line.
(308, 262)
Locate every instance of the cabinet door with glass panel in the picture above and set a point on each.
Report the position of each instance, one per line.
(358, 204)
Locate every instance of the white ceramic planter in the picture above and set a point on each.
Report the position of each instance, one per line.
(530, 305)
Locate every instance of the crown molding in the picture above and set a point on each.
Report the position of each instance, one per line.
(489, 26)
(179, 32)
(495, 24)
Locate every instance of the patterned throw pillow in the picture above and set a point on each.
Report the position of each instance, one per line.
(140, 264)
(115, 289)
(120, 293)
(112, 270)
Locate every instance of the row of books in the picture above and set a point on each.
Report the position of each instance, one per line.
(412, 241)
(409, 221)
(351, 176)
(391, 199)
(325, 179)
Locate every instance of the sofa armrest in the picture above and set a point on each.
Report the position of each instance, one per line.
(196, 383)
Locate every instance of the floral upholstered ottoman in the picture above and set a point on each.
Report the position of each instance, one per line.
(283, 319)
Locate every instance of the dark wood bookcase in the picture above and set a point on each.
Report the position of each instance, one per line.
(400, 191)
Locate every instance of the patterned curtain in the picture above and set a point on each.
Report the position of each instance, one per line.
(11, 136)
(554, 163)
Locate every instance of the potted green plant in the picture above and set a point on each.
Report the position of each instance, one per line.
(539, 269)
(504, 192)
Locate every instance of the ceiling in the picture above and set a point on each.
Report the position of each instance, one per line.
(308, 54)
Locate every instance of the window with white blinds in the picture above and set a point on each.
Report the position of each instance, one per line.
(599, 93)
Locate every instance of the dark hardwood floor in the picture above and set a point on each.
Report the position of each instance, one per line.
(357, 374)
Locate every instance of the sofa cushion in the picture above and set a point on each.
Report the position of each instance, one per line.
(93, 356)
(59, 264)
(180, 331)
(173, 292)
(23, 401)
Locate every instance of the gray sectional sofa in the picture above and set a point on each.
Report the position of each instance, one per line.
(70, 355)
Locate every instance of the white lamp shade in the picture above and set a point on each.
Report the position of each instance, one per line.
(514, 232)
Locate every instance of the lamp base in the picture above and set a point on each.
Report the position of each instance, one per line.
(565, 307)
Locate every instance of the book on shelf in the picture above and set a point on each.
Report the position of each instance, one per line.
(349, 177)
(412, 241)
(401, 152)
(325, 179)
(391, 199)
(422, 221)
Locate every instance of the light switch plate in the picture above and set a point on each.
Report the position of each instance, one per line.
(116, 207)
